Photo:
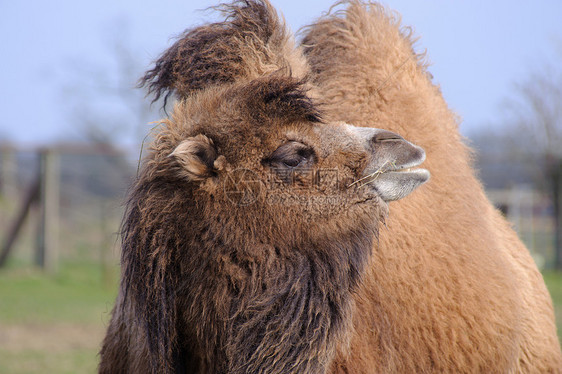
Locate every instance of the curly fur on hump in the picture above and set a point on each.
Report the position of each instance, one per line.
(451, 288)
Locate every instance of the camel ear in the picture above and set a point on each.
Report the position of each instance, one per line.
(197, 157)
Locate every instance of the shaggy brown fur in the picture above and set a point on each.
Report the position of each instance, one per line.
(450, 288)
(213, 282)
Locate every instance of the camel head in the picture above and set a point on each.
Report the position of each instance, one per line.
(248, 127)
(260, 148)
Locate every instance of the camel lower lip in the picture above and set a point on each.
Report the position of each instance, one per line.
(395, 184)
(420, 172)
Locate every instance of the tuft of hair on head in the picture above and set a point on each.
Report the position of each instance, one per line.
(250, 42)
(281, 97)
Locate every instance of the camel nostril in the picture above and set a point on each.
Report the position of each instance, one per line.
(384, 135)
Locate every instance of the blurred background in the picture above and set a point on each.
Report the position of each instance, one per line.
(73, 125)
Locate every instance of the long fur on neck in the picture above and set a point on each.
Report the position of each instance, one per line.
(239, 305)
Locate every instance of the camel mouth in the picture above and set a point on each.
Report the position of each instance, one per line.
(409, 169)
(392, 181)
(407, 176)
(392, 185)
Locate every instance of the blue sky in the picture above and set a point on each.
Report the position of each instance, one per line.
(478, 50)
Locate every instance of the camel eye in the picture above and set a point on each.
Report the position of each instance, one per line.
(291, 155)
(293, 162)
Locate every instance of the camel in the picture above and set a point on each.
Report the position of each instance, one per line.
(233, 259)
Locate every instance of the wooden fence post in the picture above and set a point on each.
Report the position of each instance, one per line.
(29, 199)
(48, 235)
(8, 172)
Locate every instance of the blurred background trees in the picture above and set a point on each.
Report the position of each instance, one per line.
(536, 113)
(526, 149)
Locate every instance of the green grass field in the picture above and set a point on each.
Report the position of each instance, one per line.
(54, 324)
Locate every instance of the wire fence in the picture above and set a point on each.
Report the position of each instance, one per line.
(77, 211)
